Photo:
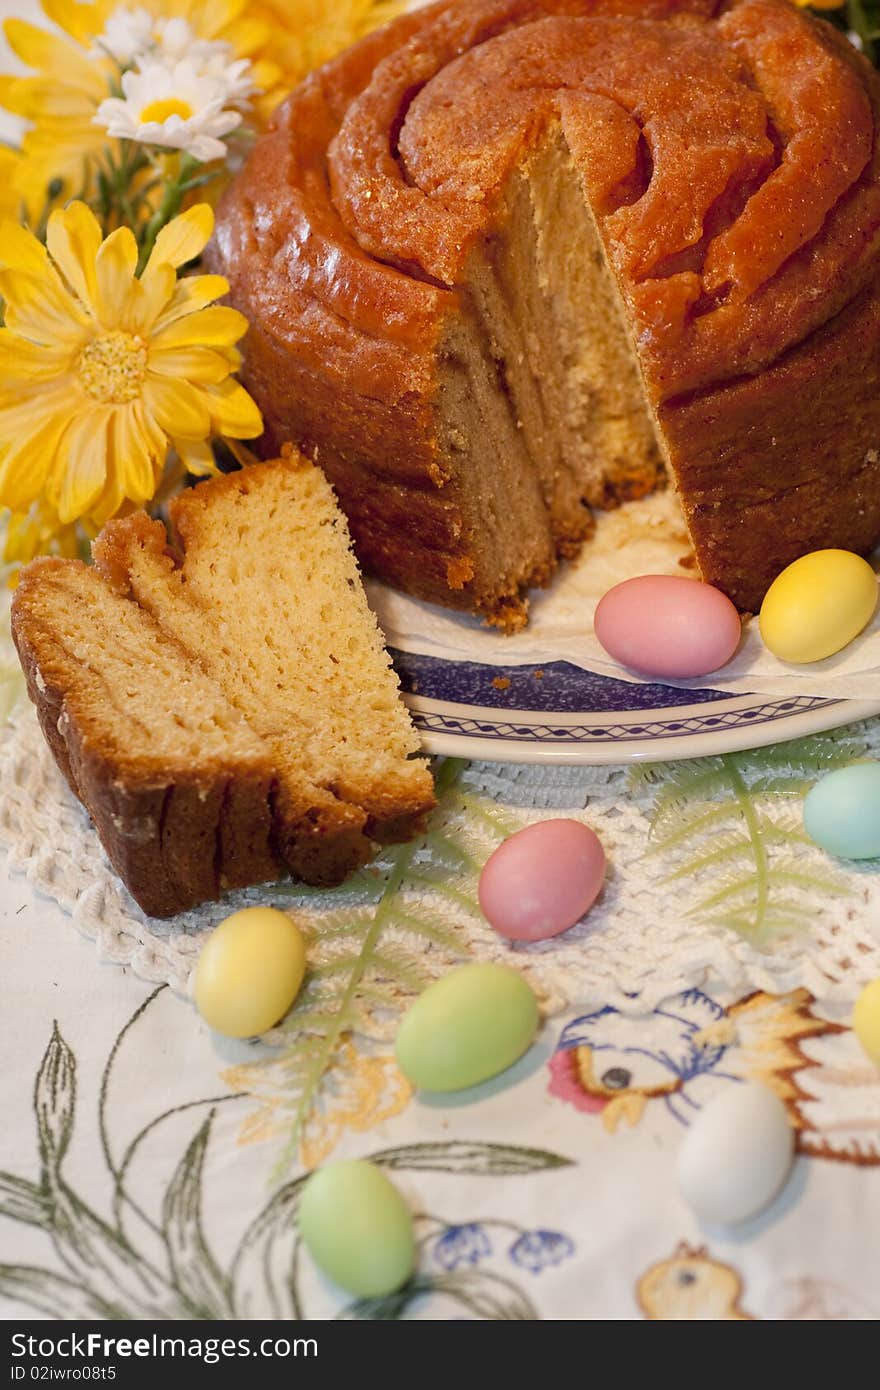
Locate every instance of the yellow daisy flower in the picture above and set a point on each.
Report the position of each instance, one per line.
(284, 39)
(38, 531)
(307, 34)
(10, 197)
(101, 372)
(73, 70)
(60, 102)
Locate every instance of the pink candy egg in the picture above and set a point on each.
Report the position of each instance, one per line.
(542, 880)
(669, 627)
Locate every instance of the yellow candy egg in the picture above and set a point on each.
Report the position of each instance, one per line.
(250, 971)
(818, 605)
(866, 1020)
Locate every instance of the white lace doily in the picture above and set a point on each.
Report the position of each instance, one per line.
(639, 940)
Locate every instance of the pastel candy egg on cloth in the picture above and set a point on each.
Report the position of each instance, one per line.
(358, 1228)
(842, 812)
(467, 1027)
(542, 880)
(737, 1154)
(249, 972)
(818, 605)
(866, 1021)
(668, 627)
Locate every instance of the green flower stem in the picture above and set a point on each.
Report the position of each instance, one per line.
(859, 23)
(115, 179)
(170, 205)
(53, 192)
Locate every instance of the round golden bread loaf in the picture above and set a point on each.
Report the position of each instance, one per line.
(506, 261)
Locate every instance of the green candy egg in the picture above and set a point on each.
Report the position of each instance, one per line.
(357, 1228)
(474, 1023)
(842, 812)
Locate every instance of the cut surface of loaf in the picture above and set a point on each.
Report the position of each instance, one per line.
(225, 707)
(654, 253)
(176, 782)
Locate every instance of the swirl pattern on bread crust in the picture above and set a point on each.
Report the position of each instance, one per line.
(400, 249)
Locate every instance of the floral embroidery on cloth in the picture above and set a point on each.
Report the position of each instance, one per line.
(361, 1090)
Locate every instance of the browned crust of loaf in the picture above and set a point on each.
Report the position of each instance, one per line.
(823, 489)
(176, 837)
(320, 839)
(175, 841)
(323, 844)
(408, 518)
(112, 548)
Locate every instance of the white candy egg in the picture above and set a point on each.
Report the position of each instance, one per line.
(736, 1155)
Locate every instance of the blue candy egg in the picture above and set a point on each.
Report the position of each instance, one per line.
(842, 812)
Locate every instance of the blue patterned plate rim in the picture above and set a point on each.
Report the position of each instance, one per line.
(559, 713)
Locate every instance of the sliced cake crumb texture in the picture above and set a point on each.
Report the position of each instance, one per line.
(223, 704)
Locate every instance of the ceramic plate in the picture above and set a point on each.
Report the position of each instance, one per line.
(558, 713)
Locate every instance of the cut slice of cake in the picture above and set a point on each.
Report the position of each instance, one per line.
(224, 707)
(176, 782)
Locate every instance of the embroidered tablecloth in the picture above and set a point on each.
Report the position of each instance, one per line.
(147, 1167)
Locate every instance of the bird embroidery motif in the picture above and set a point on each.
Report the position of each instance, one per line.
(691, 1286)
(694, 1286)
(615, 1064)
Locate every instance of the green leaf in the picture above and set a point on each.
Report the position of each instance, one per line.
(21, 1200)
(487, 1296)
(95, 1254)
(481, 1160)
(194, 1270)
(55, 1101)
(99, 1257)
(687, 822)
(51, 1293)
(731, 826)
(263, 1271)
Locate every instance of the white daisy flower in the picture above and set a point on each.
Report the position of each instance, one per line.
(127, 35)
(236, 77)
(135, 38)
(174, 41)
(174, 107)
